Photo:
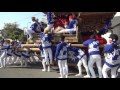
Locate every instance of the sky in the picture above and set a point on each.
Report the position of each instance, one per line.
(21, 18)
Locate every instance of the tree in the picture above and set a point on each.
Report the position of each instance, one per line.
(12, 31)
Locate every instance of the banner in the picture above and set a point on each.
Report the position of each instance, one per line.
(72, 55)
(104, 30)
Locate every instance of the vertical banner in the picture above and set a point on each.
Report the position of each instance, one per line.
(72, 55)
(104, 30)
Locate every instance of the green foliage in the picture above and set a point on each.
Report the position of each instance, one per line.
(12, 31)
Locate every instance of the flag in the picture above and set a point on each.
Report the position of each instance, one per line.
(104, 30)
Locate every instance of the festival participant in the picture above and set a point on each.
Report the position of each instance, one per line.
(94, 55)
(61, 56)
(47, 47)
(112, 57)
(35, 28)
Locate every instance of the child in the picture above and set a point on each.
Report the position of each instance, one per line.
(47, 45)
(94, 55)
(112, 57)
(61, 56)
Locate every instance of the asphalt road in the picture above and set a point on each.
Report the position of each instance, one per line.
(32, 71)
(35, 71)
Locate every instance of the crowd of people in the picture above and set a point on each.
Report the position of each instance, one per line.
(60, 54)
(111, 50)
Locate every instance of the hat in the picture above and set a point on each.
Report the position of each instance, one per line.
(114, 37)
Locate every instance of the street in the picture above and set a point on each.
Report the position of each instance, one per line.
(32, 71)
(35, 71)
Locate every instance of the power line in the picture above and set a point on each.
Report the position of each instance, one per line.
(27, 18)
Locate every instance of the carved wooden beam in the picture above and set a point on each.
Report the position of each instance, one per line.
(30, 45)
(82, 46)
(35, 46)
(32, 49)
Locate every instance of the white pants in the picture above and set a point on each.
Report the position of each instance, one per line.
(107, 68)
(95, 59)
(30, 32)
(16, 59)
(8, 59)
(24, 61)
(65, 31)
(44, 65)
(32, 58)
(48, 55)
(63, 67)
(84, 61)
(3, 58)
